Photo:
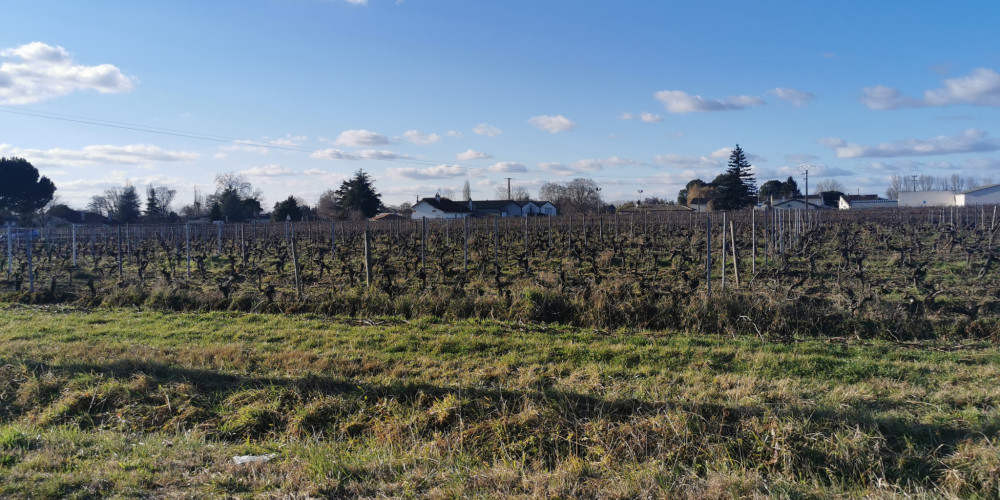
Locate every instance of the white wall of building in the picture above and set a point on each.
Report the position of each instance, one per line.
(424, 210)
(989, 195)
(927, 198)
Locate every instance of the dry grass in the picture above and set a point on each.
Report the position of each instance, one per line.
(124, 403)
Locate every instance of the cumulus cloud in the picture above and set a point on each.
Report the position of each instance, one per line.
(678, 101)
(644, 116)
(437, 172)
(487, 130)
(797, 98)
(980, 88)
(133, 154)
(556, 168)
(360, 138)
(472, 155)
(593, 165)
(37, 72)
(552, 124)
(417, 137)
(274, 170)
(368, 154)
(971, 140)
(713, 160)
(508, 167)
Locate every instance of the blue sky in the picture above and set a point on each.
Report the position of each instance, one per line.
(424, 94)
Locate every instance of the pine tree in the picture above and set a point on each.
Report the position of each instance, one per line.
(128, 205)
(737, 187)
(358, 194)
(152, 203)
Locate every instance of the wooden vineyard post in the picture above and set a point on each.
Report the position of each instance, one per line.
(465, 259)
(219, 243)
(119, 252)
(74, 245)
(31, 270)
(496, 240)
(187, 247)
(525, 236)
(10, 252)
(333, 239)
(708, 254)
(550, 231)
(723, 287)
(423, 245)
(584, 223)
(290, 231)
(368, 257)
(736, 262)
(753, 244)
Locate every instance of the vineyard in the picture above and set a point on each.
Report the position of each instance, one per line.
(895, 274)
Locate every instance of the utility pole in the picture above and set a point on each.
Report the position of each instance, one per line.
(805, 168)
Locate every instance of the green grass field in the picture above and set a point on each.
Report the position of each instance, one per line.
(126, 403)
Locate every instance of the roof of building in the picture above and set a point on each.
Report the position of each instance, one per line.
(980, 188)
(873, 202)
(800, 200)
(493, 204)
(388, 216)
(861, 197)
(446, 205)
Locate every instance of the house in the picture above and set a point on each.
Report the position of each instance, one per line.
(927, 199)
(985, 195)
(793, 203)
(529, 208)
(855, 202)
(500, 208)
(389, 216)
(546, 208)
(439, 208)
(702, 204)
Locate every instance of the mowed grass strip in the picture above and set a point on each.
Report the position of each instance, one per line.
(124, 402)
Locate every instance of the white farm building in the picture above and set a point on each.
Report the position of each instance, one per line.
(985, 195)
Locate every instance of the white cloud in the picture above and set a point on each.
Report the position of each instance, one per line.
(357, 2)
(360, 138)
(556, 168)
(133, 154)
(368, 154)
(245, 145)
(333, 154)
(715, 160)
(37, 72)
(508, 167)
(417, 137)
(971, 140)
(472, 155)
(314, 171)
(438, 172)
(552, 124)
(592, 165)
(797, 98)
(980, 88)
(454, 133)
(678, 101)
(274, 170)
(644, 116)
(371, 154)
(650, 117)
(487, 130)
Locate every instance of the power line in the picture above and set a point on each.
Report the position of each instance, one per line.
(250, 143)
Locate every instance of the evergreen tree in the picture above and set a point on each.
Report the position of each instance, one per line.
(737, 187)
(357, 194)
(21, 190)
(153, 208)
(215, 213)
(128, 205)
(288, 209)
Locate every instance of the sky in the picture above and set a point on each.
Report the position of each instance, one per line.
(423, 95)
